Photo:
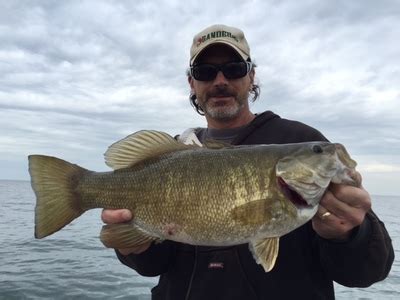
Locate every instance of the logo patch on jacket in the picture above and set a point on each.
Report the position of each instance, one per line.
(216, 265)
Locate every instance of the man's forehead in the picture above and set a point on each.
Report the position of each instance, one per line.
(218, 51)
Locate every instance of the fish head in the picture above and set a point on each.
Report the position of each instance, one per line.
(346, 168)
(305, 173)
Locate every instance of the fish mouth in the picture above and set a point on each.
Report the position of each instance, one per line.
(292, 195)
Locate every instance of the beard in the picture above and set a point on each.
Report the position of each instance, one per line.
(223, 110)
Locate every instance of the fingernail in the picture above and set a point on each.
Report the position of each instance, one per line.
(126, 215)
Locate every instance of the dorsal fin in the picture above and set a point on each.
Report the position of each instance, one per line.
(215, 144)
(141, 145)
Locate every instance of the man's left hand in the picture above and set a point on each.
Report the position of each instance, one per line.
(342, 208)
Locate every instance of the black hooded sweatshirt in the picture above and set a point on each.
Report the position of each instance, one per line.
(306, 265)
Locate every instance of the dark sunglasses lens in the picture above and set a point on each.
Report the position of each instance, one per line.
(204, 72)
(234, 70)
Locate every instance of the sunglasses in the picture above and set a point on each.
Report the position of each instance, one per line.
(231, 70)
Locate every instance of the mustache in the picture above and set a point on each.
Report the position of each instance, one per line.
(220, 92)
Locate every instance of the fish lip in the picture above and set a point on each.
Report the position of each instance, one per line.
(292, 195)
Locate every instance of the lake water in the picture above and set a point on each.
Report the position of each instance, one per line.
(73, 263)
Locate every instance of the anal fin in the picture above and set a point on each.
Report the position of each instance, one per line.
(125, 235)
(265, 252)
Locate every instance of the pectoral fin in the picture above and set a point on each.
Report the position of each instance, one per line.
(253, 212)
(265, 252)
(126, 235)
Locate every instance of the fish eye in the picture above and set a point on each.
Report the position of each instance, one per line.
(317, 149)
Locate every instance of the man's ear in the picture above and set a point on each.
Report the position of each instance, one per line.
(190, 80)
(252, 74)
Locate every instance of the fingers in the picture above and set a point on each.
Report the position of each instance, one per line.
(338, 208)
(357, 178)
(323, 213)
(353, 213)
(353, 196)
(327, 218)
(113, 216)
(330, 226)
(341, 209)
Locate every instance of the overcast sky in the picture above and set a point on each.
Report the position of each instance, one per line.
(76, 76)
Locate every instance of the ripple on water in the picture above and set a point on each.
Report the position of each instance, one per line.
(73, 263)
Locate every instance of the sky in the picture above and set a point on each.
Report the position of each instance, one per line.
(76, 76)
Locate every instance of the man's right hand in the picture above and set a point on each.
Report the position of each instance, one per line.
(115, 216)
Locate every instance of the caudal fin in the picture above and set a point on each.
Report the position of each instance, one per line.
(57, 203)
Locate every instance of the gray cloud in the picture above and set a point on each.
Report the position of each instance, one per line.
(77, 75)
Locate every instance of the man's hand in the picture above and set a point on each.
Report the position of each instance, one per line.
(342, 208)
(115, 216)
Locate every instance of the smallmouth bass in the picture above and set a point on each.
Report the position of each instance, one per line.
(212, 195)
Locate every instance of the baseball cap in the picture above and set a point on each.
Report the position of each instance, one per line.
(221, 34)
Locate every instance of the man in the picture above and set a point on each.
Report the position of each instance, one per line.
(345, 242)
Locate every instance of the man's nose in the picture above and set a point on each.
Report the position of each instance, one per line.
(220, 79)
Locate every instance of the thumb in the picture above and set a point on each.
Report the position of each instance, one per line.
(113, 216)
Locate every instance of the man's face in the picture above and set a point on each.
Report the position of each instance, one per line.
(222, 99)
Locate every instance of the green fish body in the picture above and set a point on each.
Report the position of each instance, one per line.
(213, 195)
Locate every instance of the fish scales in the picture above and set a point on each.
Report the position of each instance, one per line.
(194, 189)
(212, 194)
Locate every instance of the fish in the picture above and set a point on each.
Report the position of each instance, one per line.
(210, 194)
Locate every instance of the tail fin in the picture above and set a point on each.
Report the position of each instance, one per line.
(57, 204)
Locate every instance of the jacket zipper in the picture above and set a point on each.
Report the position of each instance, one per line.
(193, 273)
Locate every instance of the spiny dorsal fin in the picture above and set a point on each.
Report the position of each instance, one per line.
(265, 252)
(214, 144)
(141, 145)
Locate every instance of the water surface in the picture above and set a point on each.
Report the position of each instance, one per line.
(73, 263)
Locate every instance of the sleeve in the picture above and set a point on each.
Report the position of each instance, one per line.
(152, 262)
(364, 259)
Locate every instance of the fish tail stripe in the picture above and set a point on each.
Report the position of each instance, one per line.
(53, 181)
